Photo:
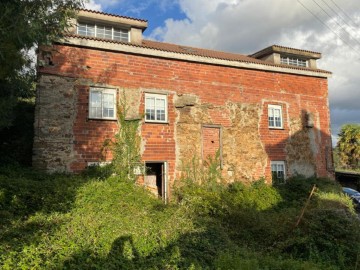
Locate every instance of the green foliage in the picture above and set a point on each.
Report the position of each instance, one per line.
(97, 221)
(201, 184)
(324, 236)
(126, 145)
(246, 260)
(348, 147)
(258, 196)
(63, 222)
(205, 172)
(28, 192)
(297, 189)
(263, 217)
(25, 24)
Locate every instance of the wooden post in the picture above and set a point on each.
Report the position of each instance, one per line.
(305, 206)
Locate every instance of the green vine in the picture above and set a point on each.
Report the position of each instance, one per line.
(207, 172)
(126, 144)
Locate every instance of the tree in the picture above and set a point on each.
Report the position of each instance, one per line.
(348, 146)
(24, 24)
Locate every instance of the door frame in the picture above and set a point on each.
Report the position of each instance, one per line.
(164, 178)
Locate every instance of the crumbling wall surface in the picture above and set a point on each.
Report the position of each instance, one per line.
(131, 100)
(300, 155)
(55, 111)
(189, 120)
(244, 157)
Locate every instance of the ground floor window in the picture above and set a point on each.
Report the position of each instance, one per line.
(278, 171)
(102, 103)
(155, 108)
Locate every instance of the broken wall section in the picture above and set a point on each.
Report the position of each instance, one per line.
(302, 147)
(242, 154)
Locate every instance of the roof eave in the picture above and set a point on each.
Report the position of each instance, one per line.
(286, 50)
(113, 19)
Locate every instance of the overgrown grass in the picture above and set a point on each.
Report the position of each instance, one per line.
(97, 221)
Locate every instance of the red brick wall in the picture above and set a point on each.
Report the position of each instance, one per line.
(90, 134)
(159, 138)
(211, 83)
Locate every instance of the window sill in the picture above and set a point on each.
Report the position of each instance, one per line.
(156, 122)
(101, 119)
(276, 128)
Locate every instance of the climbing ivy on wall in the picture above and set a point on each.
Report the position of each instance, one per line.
(126, 143)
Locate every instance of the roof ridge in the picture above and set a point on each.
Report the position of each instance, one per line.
(191, 47)
(269, 48)
(291, 48)
(110, 14)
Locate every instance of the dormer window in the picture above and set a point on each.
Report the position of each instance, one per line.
(293, 61)
(102, 31)
(288, 56)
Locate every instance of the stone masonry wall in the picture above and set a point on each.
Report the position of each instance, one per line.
(56, 108)
(199, 95)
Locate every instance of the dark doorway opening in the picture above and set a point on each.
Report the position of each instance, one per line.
(155, 178)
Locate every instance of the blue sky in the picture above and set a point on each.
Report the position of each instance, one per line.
(331, 27)
(156, 12)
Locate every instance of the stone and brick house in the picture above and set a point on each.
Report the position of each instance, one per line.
(265, 114)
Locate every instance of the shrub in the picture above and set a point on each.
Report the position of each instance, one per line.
(200, 185)
(257, 196)
(326, 236)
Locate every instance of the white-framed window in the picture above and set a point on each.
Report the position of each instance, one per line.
(102, 103)
(278, 171)
(103, 31)
(156, 108)
(275, 116)
(292, 61)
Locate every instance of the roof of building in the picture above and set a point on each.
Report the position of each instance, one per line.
(286, 50)
(112, 15)
(180, 49)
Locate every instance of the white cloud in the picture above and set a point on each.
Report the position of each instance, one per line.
(103, 4)
(91, 4)
(246, 26)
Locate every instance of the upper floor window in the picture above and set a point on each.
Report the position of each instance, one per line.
(275, 116)
(102, 31)
(155, 108)
(102, 103)
(293, 61)
(278, 171)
